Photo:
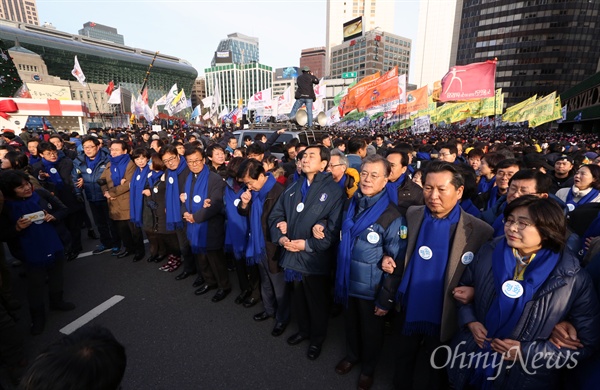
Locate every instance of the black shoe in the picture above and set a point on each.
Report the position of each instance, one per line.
(314, 351)
(296, 339)
(249, 302)
(72, 256)
(203, 289)
(261, 316)
(184, 275)
(198, 282)
(92, 235)
(221, 294)
(158, 259)
(278, 329)
(151, 258)
(37, 328)
(62, 306)
(138, 257)
(242, 297)
(124, 254)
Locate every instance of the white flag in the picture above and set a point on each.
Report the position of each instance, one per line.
(178, 104)
(260, 99)
(402, 88)
(171, 95)
(115, 97)
(207, 101)
(206, 116)
(333, 116)
(147, 113)
(78, 73)
(224, 112)
(216, 102)
(161, 102)
(321, 89)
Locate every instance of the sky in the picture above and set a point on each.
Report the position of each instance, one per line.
(192, 29)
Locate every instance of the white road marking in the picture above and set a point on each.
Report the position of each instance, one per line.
(90, 315)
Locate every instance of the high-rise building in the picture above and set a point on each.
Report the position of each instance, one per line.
(541, 46)
(102, 32)
(238, 82)
(437, 40)
(22, 11)
(375, 13)
(315, 59)
(237, 49)
(198, 91)
(375, 51)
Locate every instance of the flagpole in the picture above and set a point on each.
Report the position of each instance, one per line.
(145, 81)
(495, 94)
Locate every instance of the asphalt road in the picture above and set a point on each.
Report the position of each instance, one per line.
(176, 340)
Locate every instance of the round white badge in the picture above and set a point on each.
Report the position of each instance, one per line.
(155, 190)
(149, 174)
(197, 199)
(571, 206)
(467, 258)
(425, 252)
(170, 180)
(373, 238)
(512, 289)
(138, 177)
(236, 202)
(53, 170)
(300, 207)
(89, 171)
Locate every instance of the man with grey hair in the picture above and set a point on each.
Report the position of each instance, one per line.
(346, 177)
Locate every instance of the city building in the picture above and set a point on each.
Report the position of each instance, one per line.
(437, 40)
(100, 61)
(102, 32)
(22, 11)
(583, 106)
(198, 91)
(284, 78)
(315, 58)
(375, 51)
(375, 13)
(238, 82)
(541, 46)
(237, 49)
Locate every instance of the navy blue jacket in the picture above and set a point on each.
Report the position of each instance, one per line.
(567, 294)
(92, 189)
(324, 202)
(366, 275)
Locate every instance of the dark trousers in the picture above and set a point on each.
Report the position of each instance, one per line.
(189, 261)
(275, 293)
(11, 340)
(106, 228)
(73, 223)
(131, 236)
(413, 360)
(36, 282)
(162, 244)
(213, 267)
(364, 334)
(310, 305)
(248, 277)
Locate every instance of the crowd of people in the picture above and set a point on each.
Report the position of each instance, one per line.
(480, 246)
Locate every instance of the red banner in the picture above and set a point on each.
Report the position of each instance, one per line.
(469, 82)
(356, 93)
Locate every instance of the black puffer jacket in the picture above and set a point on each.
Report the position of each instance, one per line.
(305, 86)
(567, 294)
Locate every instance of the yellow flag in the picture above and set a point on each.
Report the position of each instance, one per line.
(555, 115)
(511, 112)
(541, 107)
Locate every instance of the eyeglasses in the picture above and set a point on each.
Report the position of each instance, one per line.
(364, 175)
(336, 165)
(170, 160)
(51, 153)
(194, 162)
(520, 224)
(444, 154)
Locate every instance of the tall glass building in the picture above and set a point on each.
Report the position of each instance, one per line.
(102, 32)
(541, 45)
(100, 61)
(238, 81)
(241, 48)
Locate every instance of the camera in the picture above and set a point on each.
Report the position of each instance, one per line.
(101, 182)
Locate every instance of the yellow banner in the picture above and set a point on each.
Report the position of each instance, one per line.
(487, 104)
(555, 115)
(512, 111)
(541, 107)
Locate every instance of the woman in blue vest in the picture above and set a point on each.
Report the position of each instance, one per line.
(585, 189)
